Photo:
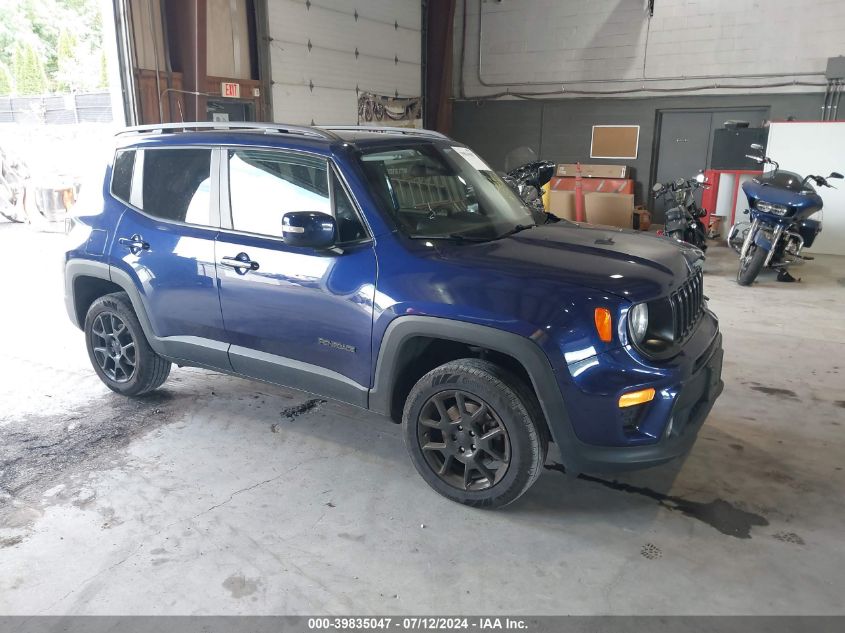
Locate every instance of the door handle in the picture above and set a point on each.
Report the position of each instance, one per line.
(135, 244)
(239, 262)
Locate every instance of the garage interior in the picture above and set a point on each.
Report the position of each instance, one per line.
(215, 495)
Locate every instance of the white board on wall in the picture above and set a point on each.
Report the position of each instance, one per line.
(816, 147)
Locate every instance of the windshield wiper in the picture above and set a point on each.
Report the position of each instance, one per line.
(516, 229)
(463, 237)
(467, 238)
(455, 237)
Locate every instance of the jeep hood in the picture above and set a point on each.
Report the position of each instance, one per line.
(630, 264)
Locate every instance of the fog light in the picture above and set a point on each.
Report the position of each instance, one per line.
(636, 397)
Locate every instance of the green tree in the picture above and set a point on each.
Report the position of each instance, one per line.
(104, 70)
(67, 63)
(30, 78)
(66, 35)
(6, 83)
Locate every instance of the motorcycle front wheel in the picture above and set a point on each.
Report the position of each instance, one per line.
(751, 265)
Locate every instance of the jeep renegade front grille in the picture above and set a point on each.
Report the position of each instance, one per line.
(687, 305)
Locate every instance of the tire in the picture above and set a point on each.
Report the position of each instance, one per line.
(516, 454)
(122, 356)
(751, 266)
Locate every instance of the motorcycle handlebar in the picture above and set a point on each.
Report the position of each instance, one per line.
(687, 184)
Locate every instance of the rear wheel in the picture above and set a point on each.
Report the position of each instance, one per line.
(475, 433)
(118, 349)
(751, 265)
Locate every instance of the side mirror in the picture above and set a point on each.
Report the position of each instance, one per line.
(309, 229)
(757, 146)
(836, 174)
(657, 187)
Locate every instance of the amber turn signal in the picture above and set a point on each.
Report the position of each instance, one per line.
(636, 397)
(604, 324)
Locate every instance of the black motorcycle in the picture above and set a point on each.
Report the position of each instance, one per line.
(528, 180)
(684, 217)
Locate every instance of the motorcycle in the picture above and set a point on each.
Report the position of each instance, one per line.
(780, 205)
(12, 188)
(683, 219)
(528, 180)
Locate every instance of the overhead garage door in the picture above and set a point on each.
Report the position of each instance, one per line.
(323, 53)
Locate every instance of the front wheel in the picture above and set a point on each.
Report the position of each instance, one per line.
(475, 433)
(751, 265)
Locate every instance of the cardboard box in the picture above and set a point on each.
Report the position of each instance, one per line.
(605, 185)
(610, 209)
(562, 204)
(642, 219)
(592, 171)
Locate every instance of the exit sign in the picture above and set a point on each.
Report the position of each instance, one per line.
(230, 90)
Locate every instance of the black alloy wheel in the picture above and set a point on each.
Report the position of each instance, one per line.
(475, 432)
(113, 347)
(464, 441)
(118, 349)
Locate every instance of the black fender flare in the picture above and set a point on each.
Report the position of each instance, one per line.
(525, 351)
(184, 350)
(76, 268)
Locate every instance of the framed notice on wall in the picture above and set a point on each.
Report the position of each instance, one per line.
(615, 141)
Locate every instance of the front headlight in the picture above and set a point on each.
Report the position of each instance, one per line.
(638, 322)
(768, 207)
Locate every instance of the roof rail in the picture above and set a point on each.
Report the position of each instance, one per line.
(268, 128)
(385, 130)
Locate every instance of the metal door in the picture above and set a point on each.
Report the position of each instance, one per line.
(684, 149)
(686, 140)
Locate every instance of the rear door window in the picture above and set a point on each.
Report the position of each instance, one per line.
(174, 184)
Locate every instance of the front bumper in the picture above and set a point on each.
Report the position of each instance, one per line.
(692, 405)
(686, 391)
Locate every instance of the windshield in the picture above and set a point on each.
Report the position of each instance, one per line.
(785, 180)
(435, 191)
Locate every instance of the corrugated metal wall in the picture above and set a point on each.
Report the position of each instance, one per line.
(322, 53)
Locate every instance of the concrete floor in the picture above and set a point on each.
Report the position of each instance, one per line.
(205, 499)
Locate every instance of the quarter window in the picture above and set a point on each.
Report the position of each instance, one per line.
(176, 184)
(121, 179)
(349, 226)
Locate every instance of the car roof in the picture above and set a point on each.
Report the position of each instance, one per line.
(270, 134)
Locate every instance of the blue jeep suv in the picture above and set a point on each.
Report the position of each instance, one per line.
(392, 269)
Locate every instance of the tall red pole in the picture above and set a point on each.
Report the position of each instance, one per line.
(579, 195)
